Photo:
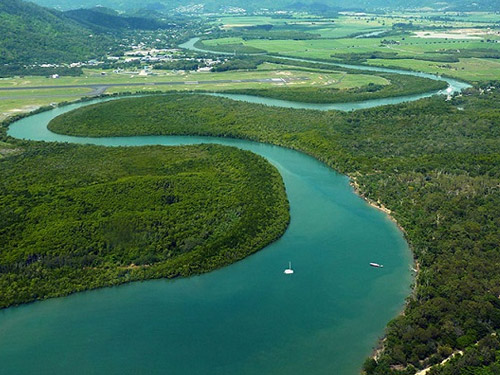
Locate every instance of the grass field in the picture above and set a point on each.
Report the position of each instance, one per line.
(66, 92)
(409, 52)
(325, 48)
(475, 17)
(470, 69)
(339, 41)
(12, 102)
(346, 25)
(29, 102)
(408, 44)
(432, 45)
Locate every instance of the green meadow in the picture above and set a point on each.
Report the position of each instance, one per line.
(471, 69)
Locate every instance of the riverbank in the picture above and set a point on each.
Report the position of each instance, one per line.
(422, 184)
(324, 212)
(168, 211)
(380, 347)
(376, 204)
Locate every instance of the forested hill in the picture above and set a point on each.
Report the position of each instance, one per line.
(32, 34)
(104, 19)
(458, 5)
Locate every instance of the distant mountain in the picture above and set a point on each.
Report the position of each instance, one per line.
(162, 5)
(32, 34)
(105, 19)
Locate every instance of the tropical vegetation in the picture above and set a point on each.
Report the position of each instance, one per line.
(83, 217)
(433, 163)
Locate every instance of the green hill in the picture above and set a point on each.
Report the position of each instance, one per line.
(31, 34)
(102, 19)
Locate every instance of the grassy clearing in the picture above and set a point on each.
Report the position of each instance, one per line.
(44, 92)
(14, 102)
(10, 107)
(7, 149)
(409, 46)
(410, 52)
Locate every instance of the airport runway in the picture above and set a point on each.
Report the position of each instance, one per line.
(98, 89)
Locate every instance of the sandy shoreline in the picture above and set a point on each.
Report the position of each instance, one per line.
(380, 347)
(377, 205)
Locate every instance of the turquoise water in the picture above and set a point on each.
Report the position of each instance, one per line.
(248, 318)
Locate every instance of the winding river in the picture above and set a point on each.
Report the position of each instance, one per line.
(248, 318)
(454, 86)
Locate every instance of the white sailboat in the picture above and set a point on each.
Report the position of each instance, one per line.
(289, 270)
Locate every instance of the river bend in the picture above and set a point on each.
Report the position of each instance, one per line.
(248, 318)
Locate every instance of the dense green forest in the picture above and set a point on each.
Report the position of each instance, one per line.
(102, 19)
(12, 70)
(434, 163)
(82, 217)
(31, 34)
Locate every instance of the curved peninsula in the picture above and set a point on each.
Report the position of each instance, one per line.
(81, 217)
